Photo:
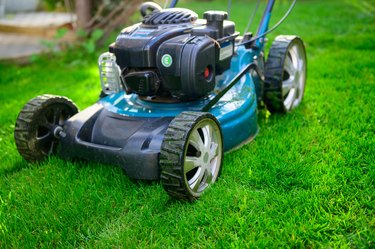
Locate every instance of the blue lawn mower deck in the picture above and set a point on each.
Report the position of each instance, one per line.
(177, 92)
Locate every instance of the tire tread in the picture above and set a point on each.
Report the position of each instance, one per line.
(24, 125)
(172, 154)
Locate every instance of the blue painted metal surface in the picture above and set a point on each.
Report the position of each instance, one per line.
(263, 25)
(236, 110)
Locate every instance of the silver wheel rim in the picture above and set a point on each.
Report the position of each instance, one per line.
(202, 156)
(294, 76)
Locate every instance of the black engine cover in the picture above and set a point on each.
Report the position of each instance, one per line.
(184, 52)
(136, 46)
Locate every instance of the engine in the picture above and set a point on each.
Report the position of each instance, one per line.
(173, 54)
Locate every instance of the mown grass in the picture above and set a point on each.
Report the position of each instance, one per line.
(307, 180)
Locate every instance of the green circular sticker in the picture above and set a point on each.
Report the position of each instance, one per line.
(166, 60)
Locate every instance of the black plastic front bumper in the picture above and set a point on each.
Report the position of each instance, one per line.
(130, 142)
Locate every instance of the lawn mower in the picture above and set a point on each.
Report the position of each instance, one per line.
(177, 93)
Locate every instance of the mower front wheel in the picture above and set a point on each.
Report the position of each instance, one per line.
(191, 155)
(37, 124)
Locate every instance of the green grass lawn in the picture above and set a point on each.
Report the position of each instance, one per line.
(307, 180)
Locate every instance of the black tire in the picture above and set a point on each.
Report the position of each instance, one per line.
(285, 74)
(36, 123)
(190, 158)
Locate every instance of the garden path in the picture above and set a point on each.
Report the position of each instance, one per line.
(25, 34)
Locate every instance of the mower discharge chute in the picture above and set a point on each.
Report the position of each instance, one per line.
(177, 92)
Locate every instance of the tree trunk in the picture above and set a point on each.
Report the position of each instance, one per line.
(83, 10)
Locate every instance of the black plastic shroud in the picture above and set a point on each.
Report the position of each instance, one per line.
(103, 136)
(186, 53)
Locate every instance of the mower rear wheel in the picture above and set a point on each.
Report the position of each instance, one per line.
(191, 155)
(37, 123)
(285, 74)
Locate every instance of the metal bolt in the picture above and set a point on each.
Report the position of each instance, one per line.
(58, 132)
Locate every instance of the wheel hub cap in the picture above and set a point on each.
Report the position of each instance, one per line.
(293, 77)
(202, 162)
